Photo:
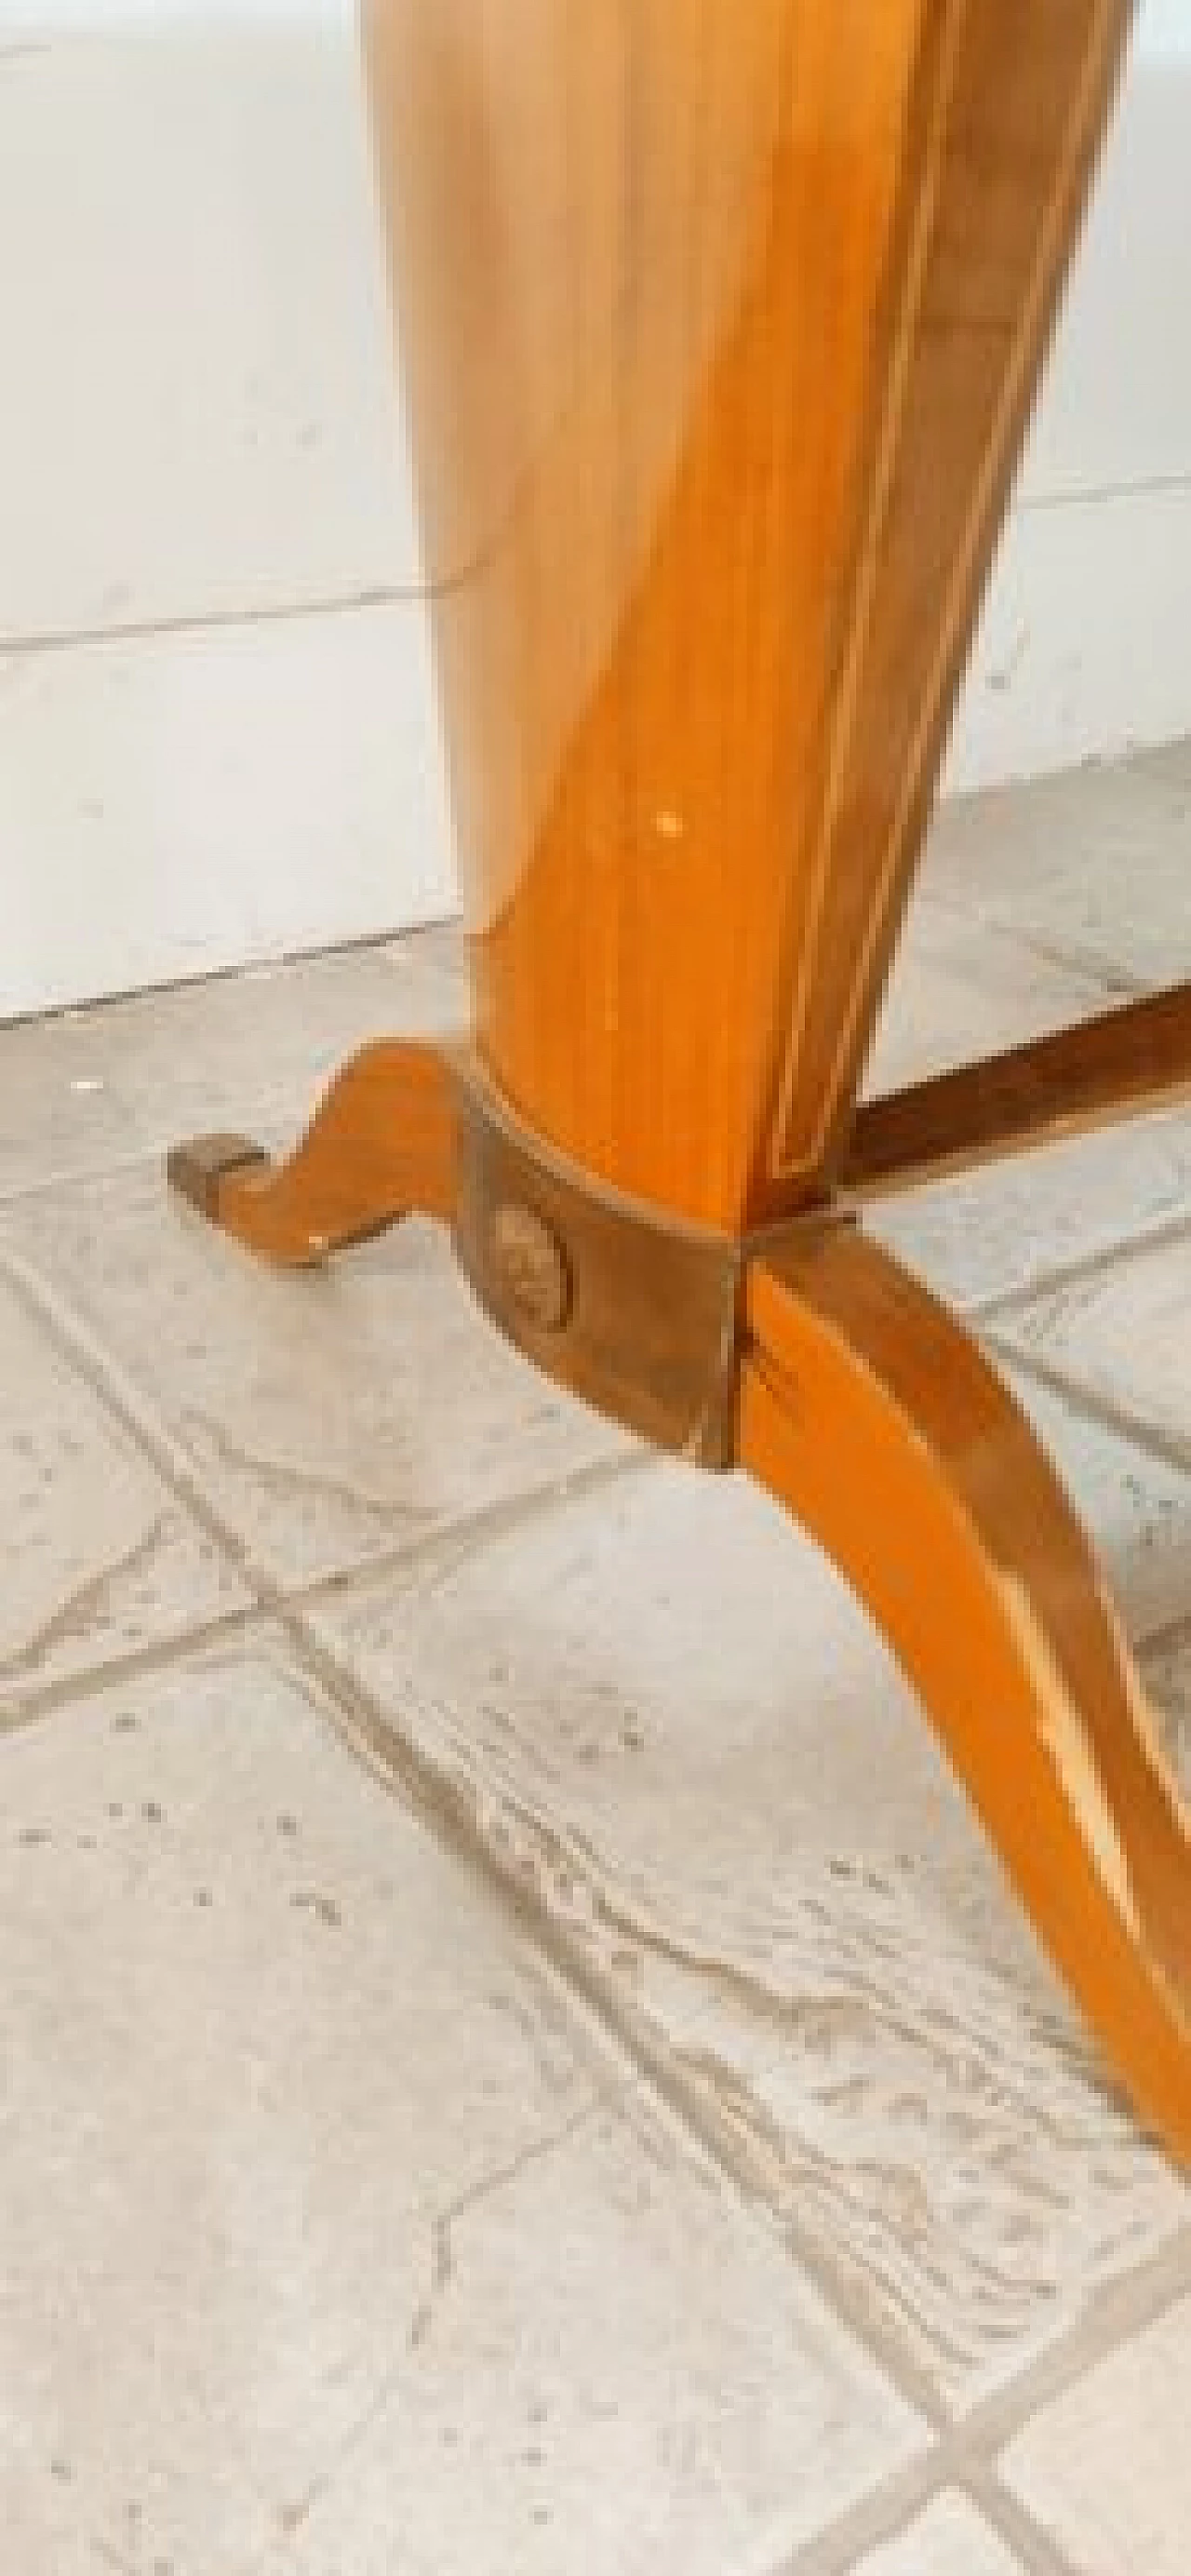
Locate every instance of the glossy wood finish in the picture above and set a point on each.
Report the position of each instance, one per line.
(1119, 1064)
(633, 1313)
(380, 1146)
(387, 1139)
(875, 1419)
(813, 1360)
(719, 327)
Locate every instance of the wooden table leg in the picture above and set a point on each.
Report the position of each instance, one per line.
(876, 1420)
(818, 1364)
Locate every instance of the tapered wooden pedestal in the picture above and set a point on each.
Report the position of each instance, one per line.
(720, 328)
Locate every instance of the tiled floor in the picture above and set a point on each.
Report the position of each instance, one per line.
(513, 2055)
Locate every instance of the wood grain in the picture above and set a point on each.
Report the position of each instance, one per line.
(996, 186)
(719, 330)
(720, 335)
(880, 1425)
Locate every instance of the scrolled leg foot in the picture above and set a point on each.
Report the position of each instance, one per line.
(381, 1146)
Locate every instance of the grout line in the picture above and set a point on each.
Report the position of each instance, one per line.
(124, 1401)
(444, 1806)
(1120, 2311)
(450, 1543)
(1169, 1635)
(891, 2509)
(1087, 1267)
(446, 1543)
(50, 1698)
(882, 2515)
(1106, 980)
(1171, 1448)
(966, 2454)
(138, 1415)
(1023, 2535)
(444, 1802)
(1093, 966)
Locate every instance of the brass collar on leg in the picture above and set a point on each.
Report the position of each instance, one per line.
(641, 1315)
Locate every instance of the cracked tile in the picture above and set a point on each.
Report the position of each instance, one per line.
(330, 1416)
(1107, 2468)
(529, 2473)
(678, 1732)
(99, 1557)
(328, 2236)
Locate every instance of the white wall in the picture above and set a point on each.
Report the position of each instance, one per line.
(216, 726)
(1083, 647)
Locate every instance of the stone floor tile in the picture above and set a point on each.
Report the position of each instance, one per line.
(328, 2237)
(680, 1734)
(1091, 865)
(1135, 1508)
(949, 2539)
(1000, 1233)
(960, 989)
(1107, 2468)
(100, 1559)
(330, 1415)
(83, 1090)
(1124, 1333)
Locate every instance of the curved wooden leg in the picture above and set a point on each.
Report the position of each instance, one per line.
(876, 1419)
(380, 1146)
